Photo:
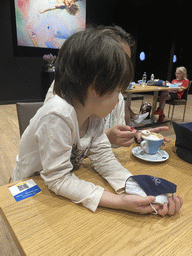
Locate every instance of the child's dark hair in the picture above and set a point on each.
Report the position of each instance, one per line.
(119, 34)
(91, 58)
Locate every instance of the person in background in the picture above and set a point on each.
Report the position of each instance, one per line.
(182, 81)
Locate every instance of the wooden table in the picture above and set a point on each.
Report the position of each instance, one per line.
(147, 88)
(47, 224)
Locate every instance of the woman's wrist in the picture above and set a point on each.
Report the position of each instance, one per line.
(110, 200)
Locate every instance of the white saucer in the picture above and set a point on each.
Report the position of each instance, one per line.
(160, 156)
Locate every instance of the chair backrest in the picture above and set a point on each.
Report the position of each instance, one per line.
(185, 94)
(25, 111)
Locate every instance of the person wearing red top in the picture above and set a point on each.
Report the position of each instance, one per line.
(182, 81)
(185, 83)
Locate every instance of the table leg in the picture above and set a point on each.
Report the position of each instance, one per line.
(154, 105)
(129, 97)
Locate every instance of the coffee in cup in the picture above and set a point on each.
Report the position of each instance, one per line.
(151, 142)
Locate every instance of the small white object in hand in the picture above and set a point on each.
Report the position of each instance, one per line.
(146, 132)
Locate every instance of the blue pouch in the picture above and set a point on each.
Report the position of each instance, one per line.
(146, 185)
(154, 186)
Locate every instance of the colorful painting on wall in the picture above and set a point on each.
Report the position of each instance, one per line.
(47, 23)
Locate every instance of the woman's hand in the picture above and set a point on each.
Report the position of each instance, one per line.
(121, 135)
(133, 203)
(142, 205)
(173, 206)
(157, 129)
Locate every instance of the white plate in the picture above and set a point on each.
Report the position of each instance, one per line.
(160, 156)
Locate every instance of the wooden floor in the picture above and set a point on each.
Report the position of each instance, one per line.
(9, 133)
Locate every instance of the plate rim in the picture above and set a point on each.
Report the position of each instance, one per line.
(162, 160)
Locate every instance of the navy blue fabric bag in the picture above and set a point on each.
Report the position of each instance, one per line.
(154, 186)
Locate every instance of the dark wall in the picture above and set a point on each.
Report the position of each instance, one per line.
(20, 76)
(161, 29)
(155, 25)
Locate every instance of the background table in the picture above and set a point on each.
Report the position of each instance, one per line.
(147, 88)
(47, 224)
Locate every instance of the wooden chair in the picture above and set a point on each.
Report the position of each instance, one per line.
(180, 102)
(25, 111)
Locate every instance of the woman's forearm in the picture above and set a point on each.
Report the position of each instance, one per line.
(110, 200)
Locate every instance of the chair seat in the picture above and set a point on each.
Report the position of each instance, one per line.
(177, 102)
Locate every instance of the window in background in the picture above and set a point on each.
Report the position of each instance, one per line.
(174, 58)
(142, 56)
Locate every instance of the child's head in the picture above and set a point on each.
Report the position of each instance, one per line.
(91, 58)
(120, 35)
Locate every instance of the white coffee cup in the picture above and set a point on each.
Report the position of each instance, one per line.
(151, 142)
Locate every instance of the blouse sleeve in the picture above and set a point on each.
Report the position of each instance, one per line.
(107, 165)
(117, 115)
(55, 140)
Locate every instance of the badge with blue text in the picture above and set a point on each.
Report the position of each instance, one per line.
(24, 190)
